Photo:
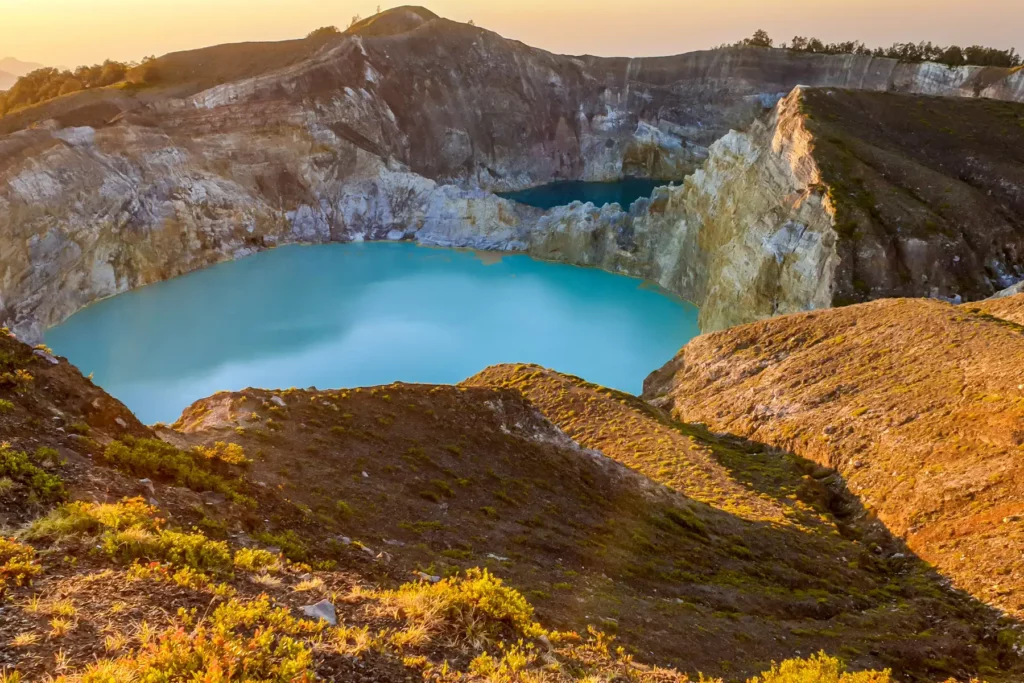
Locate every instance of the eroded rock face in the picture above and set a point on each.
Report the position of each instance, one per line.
(838, 197)
(747, 236)
(401, 130)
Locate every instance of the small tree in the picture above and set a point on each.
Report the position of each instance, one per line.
(759, 39)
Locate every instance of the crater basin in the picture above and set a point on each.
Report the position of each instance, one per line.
(342, 315)
(623, 193)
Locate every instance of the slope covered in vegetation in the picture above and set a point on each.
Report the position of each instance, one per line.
(457, 534)
(925, 192)
(917, 403)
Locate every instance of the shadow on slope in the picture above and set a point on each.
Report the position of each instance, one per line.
(917, 403)
(807, 536)
(706, 552)
(724, 557)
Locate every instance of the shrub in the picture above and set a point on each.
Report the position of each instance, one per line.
(178, 548)
(24, 469)
(343, 509)
(17, 563)
(229, 453)
(129, 531)
(19, 379)
(46, 83)
(323, 32)
(819, 668)
(146, 73)
(478, 608)
(256, 559)
(162, 461)
(79, 518)
(240, 641)
(288, 541)
(6, 406)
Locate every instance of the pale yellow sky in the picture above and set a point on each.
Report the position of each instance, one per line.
(71, 32)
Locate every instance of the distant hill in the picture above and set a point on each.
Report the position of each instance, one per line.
(12, 69)
(9, 66)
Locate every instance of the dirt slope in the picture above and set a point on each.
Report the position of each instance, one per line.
(708, 553)
(460, 477)
(917, 403)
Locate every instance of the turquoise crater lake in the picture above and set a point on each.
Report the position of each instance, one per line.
(342, 315)
(565, 192)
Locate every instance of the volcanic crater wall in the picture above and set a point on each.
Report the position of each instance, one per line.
(405, 133)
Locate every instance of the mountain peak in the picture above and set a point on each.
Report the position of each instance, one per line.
(393, 21)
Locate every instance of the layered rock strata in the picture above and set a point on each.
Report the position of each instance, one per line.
(403, 127)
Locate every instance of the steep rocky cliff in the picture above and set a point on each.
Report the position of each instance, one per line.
(400, 129)
(839, 196)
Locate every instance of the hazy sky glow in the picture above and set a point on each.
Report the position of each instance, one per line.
(71, 32)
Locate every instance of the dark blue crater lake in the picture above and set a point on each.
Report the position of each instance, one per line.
(342, 315)
(623, 193)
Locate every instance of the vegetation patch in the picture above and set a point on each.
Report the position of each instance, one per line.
(161, 461)
(129, 531)
(924, 51)
(17, 563)
(241, 641)
(28, 474)
(478, 608)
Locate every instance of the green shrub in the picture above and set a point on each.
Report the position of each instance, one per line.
(228, 453)
(129, 531)
(19, 380)
(478, 608)
(79, 518)
(162, 461)
(178, 548)
(288, 541)
(17, 563)
(256, 559)
(24, 469)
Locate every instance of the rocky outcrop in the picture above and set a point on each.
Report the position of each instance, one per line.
(838, 197)
(747, 236)
(1010, 291)
(400, 129)
(155, 208)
